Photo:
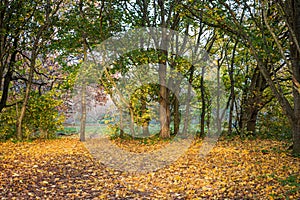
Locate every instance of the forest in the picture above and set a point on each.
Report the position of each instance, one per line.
(150, 99)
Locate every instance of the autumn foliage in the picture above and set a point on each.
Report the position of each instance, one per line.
(64, 169)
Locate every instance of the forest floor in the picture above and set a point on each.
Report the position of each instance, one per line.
(64, 169)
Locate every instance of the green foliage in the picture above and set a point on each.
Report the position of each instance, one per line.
(113, 131)
(7, 123)
(45, 118)
(273, 123)
(41, 121)
(291, 181)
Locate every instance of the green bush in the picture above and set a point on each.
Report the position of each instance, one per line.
(272, 123)
(42, 119)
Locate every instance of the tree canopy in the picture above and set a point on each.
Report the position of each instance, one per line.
(253, 44)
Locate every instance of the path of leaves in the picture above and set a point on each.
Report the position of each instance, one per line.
(64, 169)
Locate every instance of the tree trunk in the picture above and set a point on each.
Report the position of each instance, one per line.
(164, 113)
(253, 102)
(219, 115)
(249, 117)
(84, 83)
(121, 122)
(295, 57)
(187, 111)
(203, 104)
(131, 125)
(175, 84)
(251, 123)
(164, 107)
(176, 115)
(7, 77)
(27, 94)
(5, 91)
(83, 87)
(242, 115)
(83, 100)
(83, 112)
(230, 119)
(296, 137)
(188, 101)
(232, 85)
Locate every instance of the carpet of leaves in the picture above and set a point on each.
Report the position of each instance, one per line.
(64, 169)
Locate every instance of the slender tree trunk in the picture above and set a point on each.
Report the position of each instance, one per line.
(83, 111)
(187, 110)
(7, 77)
(121, 123)
(219, 116)
(230, 120)
(175, 84)
(176, 115)
(232, 85)
(5, 91)
(131, 125)
(208, 113)
(83, 100)
(203, 103)
(26, 98)
(242, 116)
(188, 101)
(83, 86)
(243, 103)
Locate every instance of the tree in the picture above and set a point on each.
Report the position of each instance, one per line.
(38, 41)
(84, 25)
(26, 29)
(285, 15)
(166, 15)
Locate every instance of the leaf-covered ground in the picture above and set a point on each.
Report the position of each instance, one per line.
(64, 169)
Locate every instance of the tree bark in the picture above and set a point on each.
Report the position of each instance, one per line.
(295, 58)
(164, 109)
(176, 115)
(83, 112)
(203, 104)
(232, 85)
(253, 102)
(8, 76)
(164, 105)
(251, 123)
(188, 101)
(27, 94)
(296, 137)
(83, 86)
(131, 125)
(121, 123)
